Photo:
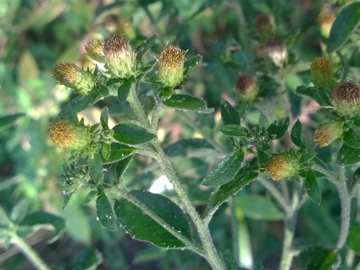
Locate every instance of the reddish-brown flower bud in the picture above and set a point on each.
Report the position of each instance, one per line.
(247, 87)
(346, 99)
(265, 25)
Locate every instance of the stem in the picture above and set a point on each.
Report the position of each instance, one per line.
(136, 105)
(29, 252)
(235, 232)
(325, 172)
(156, 115)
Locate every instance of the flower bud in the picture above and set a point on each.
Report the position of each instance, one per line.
(68, 74)
(282, 166)
(265, 25)
(346, 99)
(171, 66)
(119, 56)
(247, 87)
(95, 53)
(322, 72)
(275, 49)
(70, 136)
(328, 133)
(325, 20)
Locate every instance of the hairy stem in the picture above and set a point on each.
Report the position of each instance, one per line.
(137, 107)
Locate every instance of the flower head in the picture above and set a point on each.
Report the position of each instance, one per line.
(171, 66)
(325, 20)
(328, 133)
(68, 74)
(70, 135)
(247, 87)
(346, 99)
(322, 72)
(95, 52)
(119, 56)
(265, 25)
(282, 166)
(275, 49)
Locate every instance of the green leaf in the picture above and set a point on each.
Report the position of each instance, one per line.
(353, 240)
(225, 171)
(88, 259)
(143, 227)
(307, 157)
(8, 120)
(19, 211)
(165, 92)
(242, 179)
(263, 122)
(96, 169)
(27, 68)
(348, 155)
(355, 181)
(118, 152)
(229, 114)
(258, 207)
(192, 63)
(312, 188)
(105, 212)
(106, 150)
(343, 26)
(124, 90)
(102, 90)
(351, 138)
(313, 93)
(104, 118)
(42, 220)
(234, 131)
(187, 103)
(193, 147)
(296, 135)
(144, 47)
(132, 134)
(316, 257)
(122, 166)
(90, 196)
(150, 253)
(278, 128)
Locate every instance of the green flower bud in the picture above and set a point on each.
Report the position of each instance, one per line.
(265, 25)
(68, 74)
(275, 49)
(95, 53)
(322, 72)
(171, 66)
(346, 99)
(328, 133)
(247, 87)
(119, 56)
(282, 166)
(70, 136)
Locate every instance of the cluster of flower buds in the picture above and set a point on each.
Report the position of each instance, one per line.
(322, 72)
(246, 87)
(282, 166)
(328, 133)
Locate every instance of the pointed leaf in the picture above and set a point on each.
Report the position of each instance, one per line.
(229, 114)
(118, 152)
(122, 166)
(144, 47)
(8, 120)
(312, 188)
(234, 131)
(278, 128)
(106, 150)
(348, 155)
(187, 103)
(316, 257)
(192, 63)
(19, 211)
(96, 169)
(104, 118)
(307, 157)
(132, 134)
(165, 92)
(296, 135)
(263, 122)
(351, 138)
(353, 240)
(124, 90)
(88, 259)
(105, 212)
(90, 196)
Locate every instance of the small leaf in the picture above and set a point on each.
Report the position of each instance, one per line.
(150, 253)
(307, 157)
(312, 188)
(351, 138)
(102, 90)
(263, 122)
(296, 135)
(313, 93)
(316, 257)
(348, 155)
(353, 240)
(88, 259)
(42, 220)
(278, 128)
(106, 150)
(132, 134)
(343, 26)
(90, 196)
(165, 92)
(229, 114)
(118, 152)
(258, 207)
(8, 120)
(96, 169)
(124, 90)
(19, 211)
(27, 68)
(187, 103)
(104, 118)
(144, 228)
(144, 47)
(192, 63)
(122, 166)
(225, 171)
(189, 147)
(234, 131)
(355, 181)
(105, 212)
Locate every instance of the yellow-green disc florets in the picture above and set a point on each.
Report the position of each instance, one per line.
(322, 71)
(346, 99)
(95, 52)
(70, 136)
(247, 87)
(119, 56)
(171, 66)
(328, 133)
(282, 166)
(68, 74)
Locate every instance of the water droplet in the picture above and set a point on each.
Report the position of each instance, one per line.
(97, 218)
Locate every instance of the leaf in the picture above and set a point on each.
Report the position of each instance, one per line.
(263, 122)
(192, 63)
(187, 103)
(124, 90)
(150, 253)
(144, 47)
(90, 196)
(27, 68)
(104, 118)
(296, 135)
(105, 212)
(351, 138)
(189, 147)
(348, 155)
(118, 152)
(312, 188)
(225, 171)
(132, 134)
(242, 179)
(96, 169)
(229, 114)
(8, 120)
(353, 240)
(42, 219)
(343, 26)
(307, 157)
(122, 166)
(355, 181)
(278, 128)
(164, 92)
(258, 207)
(234, 131)
(88, 259)
(316, 257)
(106, 150)
(143, 227)
(19, 211)
(313, 93)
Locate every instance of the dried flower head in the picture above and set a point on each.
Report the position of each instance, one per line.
(171, 66)
(68, 74)
(346, 99)
(95, 52)
(265, 25)
(322, 71)
(275, 49)
(119, 56)
(247, 87)
(328, 133)
(282, 166)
